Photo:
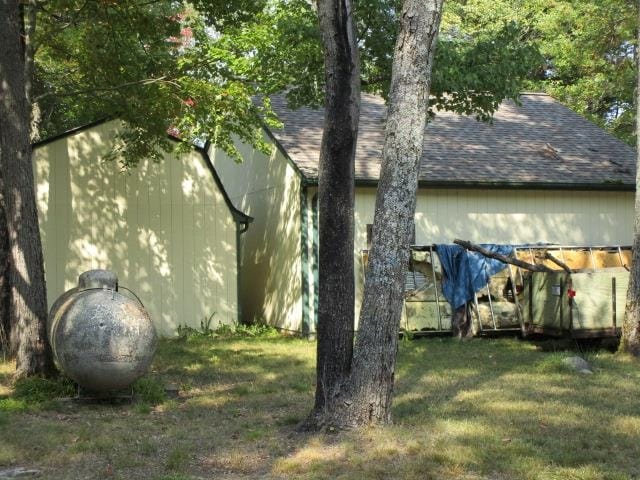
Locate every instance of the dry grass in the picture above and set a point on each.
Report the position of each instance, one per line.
(485, 409)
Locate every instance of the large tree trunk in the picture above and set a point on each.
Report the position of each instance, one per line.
(28, 304)
(366, 397)
(630, 341)
(336, 290)
(5, 325)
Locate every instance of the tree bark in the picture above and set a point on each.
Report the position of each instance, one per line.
(336, 288)
(365, 398)
(5, 325)
(558, 262)
(28, 302)
(630, 340)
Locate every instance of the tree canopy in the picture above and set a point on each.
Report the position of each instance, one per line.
(197, 69)
(587, 49)
(474, 69)
(157, 66)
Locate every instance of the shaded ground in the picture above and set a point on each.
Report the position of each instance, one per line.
(484, 409)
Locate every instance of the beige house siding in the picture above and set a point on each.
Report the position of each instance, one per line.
(268, 188)
(164, 228)
(503, 216)
(513, 216)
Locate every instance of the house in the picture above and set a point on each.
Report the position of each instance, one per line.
(538, 173)
(168, 229)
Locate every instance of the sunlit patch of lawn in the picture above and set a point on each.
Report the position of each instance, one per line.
(6, 370)
(484, 409)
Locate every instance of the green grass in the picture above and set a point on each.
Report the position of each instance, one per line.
(483, 409)
(36, 390)
(149, 390)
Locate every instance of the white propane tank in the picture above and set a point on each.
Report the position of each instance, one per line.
(100, 338)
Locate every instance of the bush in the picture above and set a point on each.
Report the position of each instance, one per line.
(256, 330)
(34, 390)
(149, 390)
(11, 405)
(227, 330)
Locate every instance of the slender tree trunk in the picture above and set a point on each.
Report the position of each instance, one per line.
(28, 302)
(366, 397)
(630, 341)
(29, 12)
(336, 290)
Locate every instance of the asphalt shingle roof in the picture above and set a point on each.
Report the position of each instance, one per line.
(540, 144)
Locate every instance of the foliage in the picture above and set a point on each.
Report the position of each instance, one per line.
(590, 46)
(36, 390)
(474, 69)
(472, 75)
(164, 66)
(155, 65)
(8, 405)
(587, 46)
(149, 390)
(227, 330)
(282, 47)
(256, 330)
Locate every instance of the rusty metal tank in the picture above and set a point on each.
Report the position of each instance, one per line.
(101, 338)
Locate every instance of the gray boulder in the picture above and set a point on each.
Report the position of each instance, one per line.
(578, 364)
(19, 472)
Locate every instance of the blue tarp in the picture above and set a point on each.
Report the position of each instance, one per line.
(467, 272)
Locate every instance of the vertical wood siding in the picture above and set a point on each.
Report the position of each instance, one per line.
(267, 187)
(513, 216)
(164, 228)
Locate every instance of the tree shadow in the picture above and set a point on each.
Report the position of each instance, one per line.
(163, 227)
(480, 409)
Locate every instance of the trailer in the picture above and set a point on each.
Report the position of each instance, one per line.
(583, 296)
(580, 292)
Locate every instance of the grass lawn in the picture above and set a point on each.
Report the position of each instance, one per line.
(483, 409)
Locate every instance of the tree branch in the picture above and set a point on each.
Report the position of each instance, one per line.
(146, 81)
(502, 258)
(558, 262)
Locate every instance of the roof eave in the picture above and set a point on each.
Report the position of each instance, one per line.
(305, 179)
(237, 214)
(504, 185)
(72, 131)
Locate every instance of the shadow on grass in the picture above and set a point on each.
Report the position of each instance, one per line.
(483, 409)
(503, 406)
(496, 409)
(6, 376)
(492, 409)
(239, 398)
